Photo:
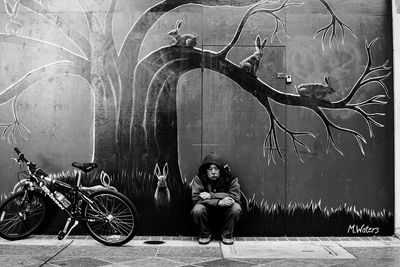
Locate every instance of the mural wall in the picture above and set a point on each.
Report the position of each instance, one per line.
(297, 96)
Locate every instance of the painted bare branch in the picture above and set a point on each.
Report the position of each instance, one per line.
(11, 130)
(51, 48)
(177, 67)
(253, 10)
(75, 37)
(131, 45)
(271, 144)
(109, 19)
(346, 102)
(150, 75)
(56, 68)
(166, 62)
(15, 128)
(263, 93)
(332, 26)
(129, 52)
(368, 71)
(214, 2)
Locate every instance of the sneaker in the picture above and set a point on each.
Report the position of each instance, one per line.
(227, 240)
(204, 240)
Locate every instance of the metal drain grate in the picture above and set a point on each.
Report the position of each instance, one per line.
(289, 249)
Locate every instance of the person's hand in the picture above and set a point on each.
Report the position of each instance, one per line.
(226, 202)
(205, 195)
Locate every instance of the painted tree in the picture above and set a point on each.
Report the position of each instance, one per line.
(133, 96)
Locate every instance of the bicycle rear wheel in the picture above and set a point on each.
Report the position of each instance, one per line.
(111, 219)
(21, 214)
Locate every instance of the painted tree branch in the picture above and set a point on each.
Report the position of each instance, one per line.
(278, 20)
(129, 52)
(271, 140)
(148, 73)
(165, 69)
(368, 117)
(251, 11)
(368, 70)
(131, 45)
(332, 26)
(56, 68)
(328, 125)
(109, 19)
(51, 48)
(14, 91)
(271, 143)
(11, 130)
(213, 2)
(263, 92)
(185, 62)
(150, 124)
(170, 82)
(346, 102)
(83, 5)
(106, 31)
(75, 37)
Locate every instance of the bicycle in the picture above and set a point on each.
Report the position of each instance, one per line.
(108, 216)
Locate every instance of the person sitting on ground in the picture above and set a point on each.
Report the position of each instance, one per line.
(216, 194)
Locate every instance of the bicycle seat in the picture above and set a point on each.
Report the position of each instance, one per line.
(85, 167)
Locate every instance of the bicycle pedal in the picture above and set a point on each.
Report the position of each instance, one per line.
(60, 235)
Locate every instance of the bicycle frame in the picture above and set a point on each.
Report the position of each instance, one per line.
(77, 193)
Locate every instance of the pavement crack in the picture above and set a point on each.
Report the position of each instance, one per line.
(158, 249)
(55, 255)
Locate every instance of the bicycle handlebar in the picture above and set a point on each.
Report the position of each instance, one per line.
(17, 150)
(20, 155)
(31, 165)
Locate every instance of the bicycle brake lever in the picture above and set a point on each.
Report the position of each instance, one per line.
(18, 161)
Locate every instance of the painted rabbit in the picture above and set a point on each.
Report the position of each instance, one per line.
(188, 40)
(15, 23)
(251, 63)
(315, 90)
(162, 196)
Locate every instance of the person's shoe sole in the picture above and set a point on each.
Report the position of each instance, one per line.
(227, 241)
(204, 241)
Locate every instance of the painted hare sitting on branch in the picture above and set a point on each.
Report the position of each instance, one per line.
(251, 63)
(316, 90)
(188, 40)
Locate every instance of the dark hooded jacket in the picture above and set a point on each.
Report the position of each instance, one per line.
(225, 185)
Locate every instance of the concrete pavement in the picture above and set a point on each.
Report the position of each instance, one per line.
(185, 251)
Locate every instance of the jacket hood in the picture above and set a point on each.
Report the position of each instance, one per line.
(211, 158)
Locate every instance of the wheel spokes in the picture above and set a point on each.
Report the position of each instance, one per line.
(20, 216)
(117, 220)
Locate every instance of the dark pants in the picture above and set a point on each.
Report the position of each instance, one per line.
(225, 216)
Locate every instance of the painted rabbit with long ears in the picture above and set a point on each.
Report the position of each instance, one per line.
(316, 90)
(185, 40)
(15, 23)
(251, 63)
(162, 196)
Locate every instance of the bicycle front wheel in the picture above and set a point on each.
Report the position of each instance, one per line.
(111, 219)
(21, 214)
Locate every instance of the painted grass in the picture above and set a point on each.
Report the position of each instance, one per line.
(259, 218)
(311, 219)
